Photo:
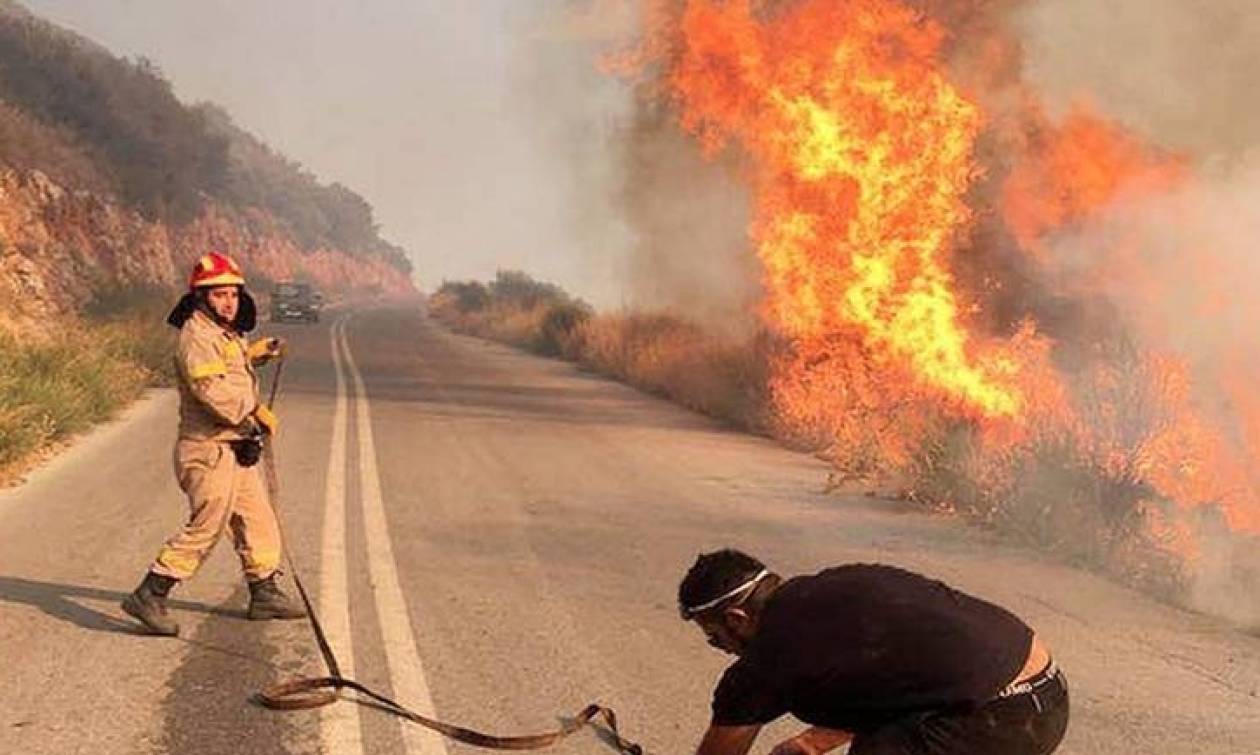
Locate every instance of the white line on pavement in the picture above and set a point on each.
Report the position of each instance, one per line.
(340, 727)
(405, 670)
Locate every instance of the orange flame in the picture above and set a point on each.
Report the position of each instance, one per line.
(1068, 171)
(862, 155)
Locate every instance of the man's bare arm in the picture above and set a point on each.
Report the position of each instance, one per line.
(728, 740)
(813, 741)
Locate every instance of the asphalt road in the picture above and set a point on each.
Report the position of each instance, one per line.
(497, 538)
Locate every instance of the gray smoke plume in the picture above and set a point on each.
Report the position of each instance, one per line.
(681, 242)
(1181, 268)
(1182, 72)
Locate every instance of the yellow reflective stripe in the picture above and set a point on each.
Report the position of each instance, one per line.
(262, 560)
(222, 279)
(209, 369)
(182, 565)
(230, 350)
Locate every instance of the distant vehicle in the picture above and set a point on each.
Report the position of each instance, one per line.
(295, 302)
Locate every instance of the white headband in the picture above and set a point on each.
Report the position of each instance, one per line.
(689, 611)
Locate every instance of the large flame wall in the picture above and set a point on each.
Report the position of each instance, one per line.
(907, 219)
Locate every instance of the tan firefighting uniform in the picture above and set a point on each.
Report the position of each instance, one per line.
(218, 390)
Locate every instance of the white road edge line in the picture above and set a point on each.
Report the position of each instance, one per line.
(340, 726)
(405, 670)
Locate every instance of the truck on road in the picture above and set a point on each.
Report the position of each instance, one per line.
(295, 302)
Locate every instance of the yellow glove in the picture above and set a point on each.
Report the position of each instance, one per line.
(265, 349)
(268, 419)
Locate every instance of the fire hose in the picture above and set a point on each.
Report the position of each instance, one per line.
(313, 692)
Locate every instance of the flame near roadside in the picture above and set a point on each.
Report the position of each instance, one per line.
(972, 289)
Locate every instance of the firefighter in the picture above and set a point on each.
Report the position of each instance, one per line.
(884, 660)
(222, 425)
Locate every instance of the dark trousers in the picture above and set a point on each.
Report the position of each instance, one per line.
(1032, 723)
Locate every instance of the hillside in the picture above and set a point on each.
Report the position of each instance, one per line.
(107, 179)
(110, 187)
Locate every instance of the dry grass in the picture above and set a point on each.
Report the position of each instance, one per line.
(658, 353)
(1072, 484)
(671, 357)
(1046, 492)
(868, 420)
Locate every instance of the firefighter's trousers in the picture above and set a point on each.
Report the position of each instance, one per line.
(222, 496)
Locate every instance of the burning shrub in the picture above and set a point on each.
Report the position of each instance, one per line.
(913, 209)
(834, 395)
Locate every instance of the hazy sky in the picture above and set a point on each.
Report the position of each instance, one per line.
(466, 123)
(485, 137)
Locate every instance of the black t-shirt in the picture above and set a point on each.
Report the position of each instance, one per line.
(859, 646)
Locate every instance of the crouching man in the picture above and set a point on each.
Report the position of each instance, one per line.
(884, 660)
(222, 424)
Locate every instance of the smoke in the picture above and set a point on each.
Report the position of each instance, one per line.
(1179, 267)
(1226, 581)
(679, 221)
(691, 253)
(1165, 268)
(1182, 72)
(652, 225)
(1182, 275)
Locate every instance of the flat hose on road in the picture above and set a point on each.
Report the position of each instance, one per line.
(313, 692)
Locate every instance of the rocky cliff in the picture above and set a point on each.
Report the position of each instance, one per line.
(58, 246)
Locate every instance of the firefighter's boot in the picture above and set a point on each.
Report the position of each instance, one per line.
(266, 601)
(148, 605)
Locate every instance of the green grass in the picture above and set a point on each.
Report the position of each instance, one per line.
(81, 374)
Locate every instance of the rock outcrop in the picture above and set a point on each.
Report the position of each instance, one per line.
(58, 246)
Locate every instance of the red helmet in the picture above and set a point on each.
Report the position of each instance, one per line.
(215, 269)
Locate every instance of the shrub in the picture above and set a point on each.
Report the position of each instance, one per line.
(519, 291)
(130, 322)
(660, 353)
(463, 296)
(675, 358)
(875, 423)
(560, 332)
